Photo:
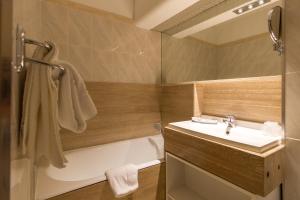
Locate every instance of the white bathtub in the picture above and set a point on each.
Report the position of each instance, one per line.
(87, 166)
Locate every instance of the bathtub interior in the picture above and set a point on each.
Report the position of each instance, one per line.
(87, 166)
(96, 160)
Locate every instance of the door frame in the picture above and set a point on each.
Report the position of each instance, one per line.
(6, 42)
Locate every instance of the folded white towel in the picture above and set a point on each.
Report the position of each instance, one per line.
(123, 180)
(75, 106)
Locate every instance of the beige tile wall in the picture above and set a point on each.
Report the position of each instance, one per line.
(192, 60)
(292, 95)
(102, 47)
(248, 58)
(187, 59)
(28, 14)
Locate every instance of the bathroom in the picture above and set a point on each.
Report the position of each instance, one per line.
(149, 100)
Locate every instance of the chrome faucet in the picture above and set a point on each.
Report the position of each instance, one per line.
(230, 122)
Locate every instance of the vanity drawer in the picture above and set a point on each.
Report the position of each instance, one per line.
(258, 173)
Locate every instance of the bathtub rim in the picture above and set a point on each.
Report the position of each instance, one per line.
(95, 180)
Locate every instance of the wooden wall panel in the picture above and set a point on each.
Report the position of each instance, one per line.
(177, 103)
(129, 110)
(253, 99)
(256, 99)
(151, 187)
(125, 111)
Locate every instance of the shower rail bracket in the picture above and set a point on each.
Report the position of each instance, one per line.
(20, 49)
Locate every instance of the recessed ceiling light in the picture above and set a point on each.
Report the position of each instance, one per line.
(250, 6)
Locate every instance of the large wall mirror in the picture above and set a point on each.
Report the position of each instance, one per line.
(207, 47)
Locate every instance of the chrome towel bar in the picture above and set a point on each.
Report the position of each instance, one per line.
(37, 43)
(61, 68)
(21, 58)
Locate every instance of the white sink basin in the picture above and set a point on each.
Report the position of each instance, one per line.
(242, 137)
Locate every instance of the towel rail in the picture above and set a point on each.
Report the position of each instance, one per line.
(44, 63)
(21, 58)
(37, 43)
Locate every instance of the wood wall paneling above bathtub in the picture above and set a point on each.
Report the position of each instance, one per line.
(151, 187)
(125, 111)
(177, 103)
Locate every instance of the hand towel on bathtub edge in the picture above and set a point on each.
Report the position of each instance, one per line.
(123, 180)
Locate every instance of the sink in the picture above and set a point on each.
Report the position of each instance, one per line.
(242, 137)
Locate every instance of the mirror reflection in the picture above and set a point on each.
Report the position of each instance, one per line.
(237, 47)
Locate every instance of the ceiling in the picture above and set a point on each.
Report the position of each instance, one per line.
(150, 13)
(124, 8)
(240, 27)
(209, 20)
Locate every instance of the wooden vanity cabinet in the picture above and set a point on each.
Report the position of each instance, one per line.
(258, 173)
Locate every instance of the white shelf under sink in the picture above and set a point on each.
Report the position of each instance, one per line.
(186, 181)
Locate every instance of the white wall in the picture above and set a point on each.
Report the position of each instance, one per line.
(150, 13)
(219, 19)
(236, 29)
(120, 7)
(240, 27)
